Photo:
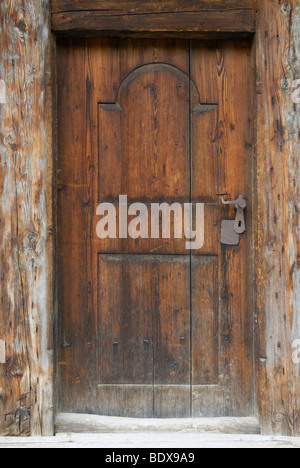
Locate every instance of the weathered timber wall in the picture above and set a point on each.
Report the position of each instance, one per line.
(26, 222)
(26, 388)
(277, 216)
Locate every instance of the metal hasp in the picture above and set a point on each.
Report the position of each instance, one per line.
(232, 229)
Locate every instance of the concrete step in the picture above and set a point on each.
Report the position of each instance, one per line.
(150, 440)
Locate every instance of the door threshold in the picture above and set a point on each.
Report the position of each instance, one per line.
(89, 423)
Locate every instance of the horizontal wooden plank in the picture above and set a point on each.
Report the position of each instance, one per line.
(82, 23)
(126, 7)
(85, 423)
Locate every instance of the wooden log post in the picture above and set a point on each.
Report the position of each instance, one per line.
(277, 217)
(26, 229)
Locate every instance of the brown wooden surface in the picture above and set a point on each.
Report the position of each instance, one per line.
(204, 24)
(125, 7)
(277, 217)
(26, 229)
(278, 51)
(146, 328)
(146, 18)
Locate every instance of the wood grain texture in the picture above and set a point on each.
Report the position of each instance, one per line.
(140, 333)
(26, 229)
(277, 217)
(222, 72)
(125, 7)
(26, 253)
(93, 424)
(143, 18)
(205, 23)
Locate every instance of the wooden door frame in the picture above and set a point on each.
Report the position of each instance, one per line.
(28, 187)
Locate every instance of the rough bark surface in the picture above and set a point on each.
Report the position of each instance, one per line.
(277, 217)
(26, 388)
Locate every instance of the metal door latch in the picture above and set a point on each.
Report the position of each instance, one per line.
(232, 229)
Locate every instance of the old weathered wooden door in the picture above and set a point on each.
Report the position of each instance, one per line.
(148, 328)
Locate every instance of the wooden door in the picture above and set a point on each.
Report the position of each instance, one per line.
(148, 328)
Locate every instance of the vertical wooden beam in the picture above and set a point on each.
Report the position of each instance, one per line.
(26, 229)
(277, 217)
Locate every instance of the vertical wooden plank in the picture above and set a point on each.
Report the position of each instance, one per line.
(172, 338)
(138, 304)
(172, 321)
(223, 74)
(205, 321)
(72, 236)
(235, 87)
(236, 332)
(207, 395)
(77, 201)
(205, 141)
(26, 229)
(111, 345)
(277, 217)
